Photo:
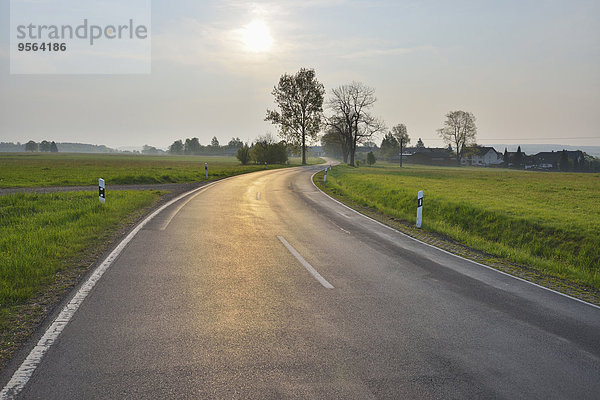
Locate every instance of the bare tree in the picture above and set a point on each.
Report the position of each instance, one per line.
(334, 143)
(401, 134)
(300, 101)
(350, 105)
(460, 130)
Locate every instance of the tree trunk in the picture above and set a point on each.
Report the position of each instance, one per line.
(303, 147)
(401, 146)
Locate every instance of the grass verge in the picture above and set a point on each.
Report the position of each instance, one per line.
(547, 222)
(47, 241)
(58, 169)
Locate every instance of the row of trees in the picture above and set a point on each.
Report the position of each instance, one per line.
(193, 147)
(300, 99)
(43, 146)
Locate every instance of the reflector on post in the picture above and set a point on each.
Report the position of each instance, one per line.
(419, 208)
(101, 190)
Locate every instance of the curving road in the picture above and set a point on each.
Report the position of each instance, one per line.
(215, 298)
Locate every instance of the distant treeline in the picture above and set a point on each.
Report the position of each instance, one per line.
(53, 147)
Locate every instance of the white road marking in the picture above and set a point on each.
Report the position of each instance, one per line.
(257, 195)
(339, 227)
(305, 263)
(343, 215)
(25, 371)
(447, 252)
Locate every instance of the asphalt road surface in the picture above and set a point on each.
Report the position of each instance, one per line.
(210, 300)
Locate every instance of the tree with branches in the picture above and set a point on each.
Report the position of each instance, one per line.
(401, 134)
(299, 98)
(460, 130)
(351, 105)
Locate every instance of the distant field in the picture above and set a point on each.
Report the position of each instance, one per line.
(550, 221)
(37, 169)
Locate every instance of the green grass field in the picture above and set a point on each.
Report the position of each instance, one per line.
(46, 242)
(47, 169)
(548, 221)
(42, 233)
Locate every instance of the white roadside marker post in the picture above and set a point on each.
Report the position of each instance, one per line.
(325, 176)
(206, 170)
(419, 208)
(101, 191)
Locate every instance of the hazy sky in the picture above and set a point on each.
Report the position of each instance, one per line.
(529, 70)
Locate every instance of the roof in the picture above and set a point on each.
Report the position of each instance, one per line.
(433, 150)
(481, 150)
(551, 157)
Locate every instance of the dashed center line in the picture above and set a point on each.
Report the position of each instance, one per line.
(305, 263)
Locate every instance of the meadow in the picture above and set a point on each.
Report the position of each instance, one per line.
(60, 169)
(46, 242)
(547, 221)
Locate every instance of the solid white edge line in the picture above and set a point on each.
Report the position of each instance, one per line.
(33, 359)
(166, 223)
(452, 254)
(305, 263)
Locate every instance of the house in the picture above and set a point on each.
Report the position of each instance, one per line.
(512, 159)
(432, 156)
(481, 156)
(551, 159)
(406, 152)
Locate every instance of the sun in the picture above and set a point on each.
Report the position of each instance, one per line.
(256, 37)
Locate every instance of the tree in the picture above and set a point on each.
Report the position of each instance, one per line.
(214, 142)
(146, 149)
(505, 158)
(460, 130)
(518, 161)
(176, 147)
(45, 146)
(53, 147)
(265, 149)
(371, 158)
(235, 143)
(299, 98)
(351, 118)
(192, 146)
(243, 154)
(420, 144)
(31, 146)
(564, 161)
(337, 128)
(401, 135)
(389, 146)
(333, 144)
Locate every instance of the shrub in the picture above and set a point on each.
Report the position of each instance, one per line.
(371, 158)
(243, 154)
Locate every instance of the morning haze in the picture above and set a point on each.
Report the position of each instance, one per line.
(528, 71)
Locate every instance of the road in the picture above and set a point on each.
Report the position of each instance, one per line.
(207, 301)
